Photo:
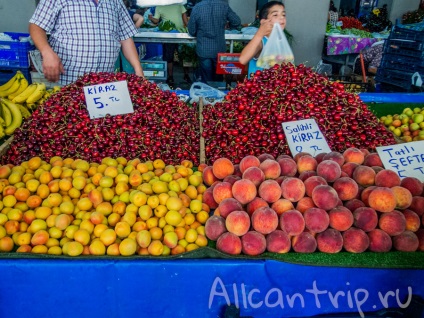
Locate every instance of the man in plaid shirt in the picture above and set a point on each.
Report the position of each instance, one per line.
(85, 36)
(207, 23)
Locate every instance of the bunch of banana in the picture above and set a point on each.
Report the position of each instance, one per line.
(11, 115)
(31, 94)
(16, 85)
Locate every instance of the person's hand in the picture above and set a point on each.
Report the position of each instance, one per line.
(52, 66)
(139, 72)
(266, 27)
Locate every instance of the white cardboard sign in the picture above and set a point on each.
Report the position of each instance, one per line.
(305, 136)
(406, 159)
(109, 98)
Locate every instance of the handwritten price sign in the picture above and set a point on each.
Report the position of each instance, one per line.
(305, 136)
(405, 159)
(110, 98)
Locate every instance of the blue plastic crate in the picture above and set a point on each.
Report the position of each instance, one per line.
(405, 33)
(7, 73)
(398, 78)
(404, 47)
(400, 62)
(14, 54)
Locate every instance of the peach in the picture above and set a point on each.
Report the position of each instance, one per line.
(282, 205)
(304, 243)
(380, 241)
(353, 204)
(365, 151)
(373, 159)
(366, 193)
(316, 220)
(377, 169)
(412, 219)
(335, 156)
(264, 220)
(280, 179)
(269, 190)
(249, 161)
(364, 176)
(354, 155)
(305, 203)
(229, 243)
(387, 178)
(221, 191)
(208, 177)
(214, 227)
(320, 157)
(312, 182)
(288, 167)
(264, 156)
(231, 179)
(355, 240)
(292, 189)
(306, 163)
(420, 236)
(238, 222)
(300, 155)
(414, 185)
(417, 205)
(307, 174)
(255, 204)
(209, 199)
(278, 242)
(403, 197)
(406, 242)
(346, 188)
(328, 169)
(382, 199)
(330, 241)
(270, 168)
(393, 223)
(348, 168)
(253, 243)
(365, 218)
(245, 190)
(229, 205)
(255, 175)
(222, 167)
(340, 218)
(237, 171)
(292, 222)
(325, 197)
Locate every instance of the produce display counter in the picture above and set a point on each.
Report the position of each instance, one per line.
(204, 282)
(172, 37)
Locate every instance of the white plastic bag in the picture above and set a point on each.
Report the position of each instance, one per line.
(155, 3)
(276, 50)
(209, 94)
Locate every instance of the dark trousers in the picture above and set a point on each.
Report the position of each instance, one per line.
(207, 70)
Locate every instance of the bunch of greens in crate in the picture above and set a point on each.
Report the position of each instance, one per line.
(187, 53)
(167, 26)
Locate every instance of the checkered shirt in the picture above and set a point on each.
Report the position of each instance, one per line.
(207, 23)
(85, 35)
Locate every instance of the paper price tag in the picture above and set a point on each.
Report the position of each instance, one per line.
(407, 160)
(110, 98)
(305, 136)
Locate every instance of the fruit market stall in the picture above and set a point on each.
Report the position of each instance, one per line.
(123, 213)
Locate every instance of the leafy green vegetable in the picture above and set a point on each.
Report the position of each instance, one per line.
(167, 26)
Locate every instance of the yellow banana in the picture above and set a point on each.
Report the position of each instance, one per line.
(37, 94)
(2, 123)
(47, 94)
(16, 116)
(10, 82)
(2, 134)
(56, 88)
(22, 97)
(7, 115)
(24, 111)
(13, 88)
(23, 86)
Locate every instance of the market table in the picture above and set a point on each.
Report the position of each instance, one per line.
(173, 37)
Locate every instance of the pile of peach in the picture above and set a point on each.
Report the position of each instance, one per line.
(330, 203)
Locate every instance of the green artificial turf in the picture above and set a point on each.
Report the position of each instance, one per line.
(382, 109)
(394, 259)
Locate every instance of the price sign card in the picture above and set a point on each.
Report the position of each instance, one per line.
(406, 159)
(305, 136)
(110, 98)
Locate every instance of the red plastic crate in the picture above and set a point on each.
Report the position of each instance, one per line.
(228, 63)
(14, 54)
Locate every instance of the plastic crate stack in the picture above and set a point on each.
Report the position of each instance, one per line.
(14, 56)
(403, 56)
